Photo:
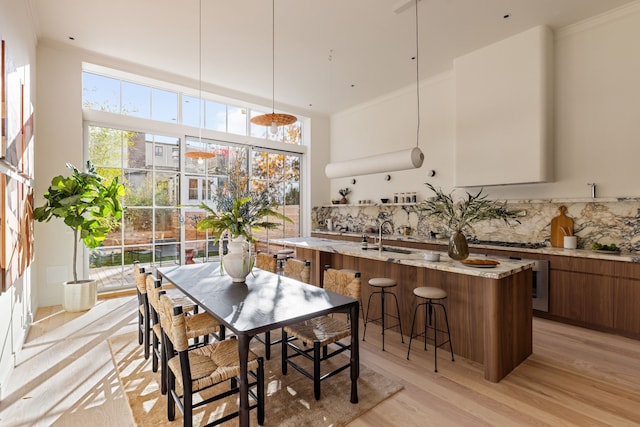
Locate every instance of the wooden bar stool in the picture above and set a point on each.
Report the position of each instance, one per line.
(382, 284)
(431, 297)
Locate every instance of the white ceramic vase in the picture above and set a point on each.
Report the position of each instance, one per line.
(237, 263)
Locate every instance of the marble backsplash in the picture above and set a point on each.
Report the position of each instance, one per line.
(595, 220)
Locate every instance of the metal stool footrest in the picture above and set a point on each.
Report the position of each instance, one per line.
(430, 323)
(383, 315)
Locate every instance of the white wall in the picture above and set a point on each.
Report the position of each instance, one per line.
(59, 130)
(18, 303)
(597, 131)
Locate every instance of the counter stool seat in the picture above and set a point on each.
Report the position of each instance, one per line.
(382, 284)
(430, 293)
(431, 298)
(282, 256)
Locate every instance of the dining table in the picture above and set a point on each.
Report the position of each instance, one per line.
(263, 302)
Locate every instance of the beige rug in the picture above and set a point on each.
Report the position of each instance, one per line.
(289, 398)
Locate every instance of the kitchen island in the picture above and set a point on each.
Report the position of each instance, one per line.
(489, 309)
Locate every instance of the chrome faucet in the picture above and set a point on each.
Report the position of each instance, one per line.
(386, 221)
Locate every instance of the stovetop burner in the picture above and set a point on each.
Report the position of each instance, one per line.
(529, 245)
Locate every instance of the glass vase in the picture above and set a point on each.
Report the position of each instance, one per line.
(458, 247)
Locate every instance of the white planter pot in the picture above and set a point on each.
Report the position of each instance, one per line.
(79, 296)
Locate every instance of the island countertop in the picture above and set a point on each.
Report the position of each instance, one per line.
(412, 257)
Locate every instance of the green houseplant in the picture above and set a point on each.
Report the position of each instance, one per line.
(88, 205)
(344, 192)
(460, 215)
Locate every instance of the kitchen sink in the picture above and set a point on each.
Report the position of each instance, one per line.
(396, 250)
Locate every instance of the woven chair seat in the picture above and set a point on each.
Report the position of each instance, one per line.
(201, 324)
(212, 364)
(324, 329)
(187, 304)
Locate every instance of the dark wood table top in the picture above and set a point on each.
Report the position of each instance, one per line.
(264, 302)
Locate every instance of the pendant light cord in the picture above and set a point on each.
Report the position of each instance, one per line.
(417, 78)
(273, 56)
(200, 73)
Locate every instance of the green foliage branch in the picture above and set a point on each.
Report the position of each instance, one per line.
(240, 211)
(461, 215)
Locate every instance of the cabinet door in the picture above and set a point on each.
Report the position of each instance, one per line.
(627, 307)
(627, 299)
(582, 297)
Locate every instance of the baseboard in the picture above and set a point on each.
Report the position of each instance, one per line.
(116, 294)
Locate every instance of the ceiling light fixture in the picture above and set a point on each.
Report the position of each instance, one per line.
(273, 120)
(200, 155)
(411, 158)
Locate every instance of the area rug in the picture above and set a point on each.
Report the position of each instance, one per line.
(289, 398)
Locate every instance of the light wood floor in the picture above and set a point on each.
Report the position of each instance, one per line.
(65, 377)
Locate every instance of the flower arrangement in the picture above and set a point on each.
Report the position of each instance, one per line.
(241, 211)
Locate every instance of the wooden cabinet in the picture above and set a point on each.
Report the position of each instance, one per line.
(626, 295)
(582, 297)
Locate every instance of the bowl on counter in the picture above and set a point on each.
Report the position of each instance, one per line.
(384, 200)
(432, 256)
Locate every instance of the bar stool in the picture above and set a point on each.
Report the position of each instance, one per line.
(382, 283)
(282, 256)
(431, 297)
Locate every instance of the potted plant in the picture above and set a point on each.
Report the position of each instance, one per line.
(239, 212)
(461, 215)
(344, 192)
(88, 204)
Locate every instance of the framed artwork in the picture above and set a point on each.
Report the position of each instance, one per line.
(13, 87)
(3, 112)
(16, 213)
(10, 231)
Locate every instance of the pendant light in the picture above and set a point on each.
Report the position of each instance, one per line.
(411, 158)
(200, 155)
(273, 120)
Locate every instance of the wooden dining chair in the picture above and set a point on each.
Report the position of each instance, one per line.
(195, 370)
(321, 331)
(200, 326)
(267, 262)
(144, 325)
(298, 269)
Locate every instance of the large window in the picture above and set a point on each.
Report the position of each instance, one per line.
(164, 190)
(105, 93)
(167, 174)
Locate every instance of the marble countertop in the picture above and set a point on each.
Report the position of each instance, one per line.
(549, 250)
(415, 257)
